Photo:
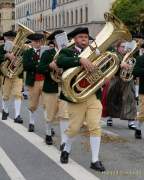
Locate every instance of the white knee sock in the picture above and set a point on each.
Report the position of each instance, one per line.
(63, 127)
(17, 104)
(95, 146)
(139, 125)
(48, 128)
(32, 117)
(5, 105)
(68, 144)
(2, 101)
(136, 90)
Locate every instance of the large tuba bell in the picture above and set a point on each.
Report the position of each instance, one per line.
(77, 84)
(13, 68)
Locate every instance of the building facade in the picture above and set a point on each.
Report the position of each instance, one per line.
(7, 15)
(38, 14)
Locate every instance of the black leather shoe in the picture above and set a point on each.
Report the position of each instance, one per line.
(4, 115)
(52, 132)
(138, 134)
(64, 157)
(109, 122)
(131, 124)
(98, 166)
(49, 140)
(62, 147)
(25, 96)
(31, 128)
(18, 120)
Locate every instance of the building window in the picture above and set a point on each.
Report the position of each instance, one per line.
(81, 15)
(49, 4)
(63, 18)
(86, 14)
(13, 5)
(52, 21)
(56, 23)
(76, 16)
(67, 16)
(49, 22)
(59, 20)
(13, 15)
(72, 17)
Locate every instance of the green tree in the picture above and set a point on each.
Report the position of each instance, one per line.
(131, 12)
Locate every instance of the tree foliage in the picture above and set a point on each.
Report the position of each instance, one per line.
(131, 12)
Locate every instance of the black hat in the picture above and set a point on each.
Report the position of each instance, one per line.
(51, 42)
(52, 35)
(142, 46)
(79, 30)
(10, 34)
(1, 38)
(28, 42)
(35, 36)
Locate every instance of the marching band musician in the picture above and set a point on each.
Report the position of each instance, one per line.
(90, 110)
(139, 72)
(121, 102)
(34, 80)
(1, 47)
(11, 86)
(53, 107)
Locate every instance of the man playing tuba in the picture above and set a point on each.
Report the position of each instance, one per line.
(89, 110)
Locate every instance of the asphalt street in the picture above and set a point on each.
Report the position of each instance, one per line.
(24, 155)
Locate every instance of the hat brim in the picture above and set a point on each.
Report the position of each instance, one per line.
(52, 35)
(35, 37)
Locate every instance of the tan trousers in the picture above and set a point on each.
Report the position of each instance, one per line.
(35, 93)
(11, 87)
(140, 116)
(88, 111)
(55, 108)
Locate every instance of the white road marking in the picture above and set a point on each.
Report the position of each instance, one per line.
(9, 167)
(72, 168)
(110, 132)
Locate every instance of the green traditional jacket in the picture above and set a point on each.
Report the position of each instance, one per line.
(68, 58)
(2, 53)
(139, 72)
(30, 66)
(50, 86)
(2, 58)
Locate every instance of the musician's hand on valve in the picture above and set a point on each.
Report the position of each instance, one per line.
(87, 65)
(53, 66)
(10, 56)
(125, 65)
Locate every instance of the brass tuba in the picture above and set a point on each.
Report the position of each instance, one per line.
(77, 84)
(13, 68)
(46, 35)
(126, 75)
